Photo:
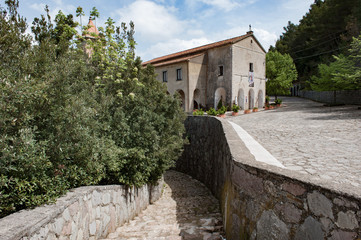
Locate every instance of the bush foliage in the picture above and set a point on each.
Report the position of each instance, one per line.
(67, 119)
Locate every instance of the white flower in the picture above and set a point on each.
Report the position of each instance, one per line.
(131, 95)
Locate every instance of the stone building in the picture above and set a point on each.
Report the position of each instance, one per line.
(231, 71)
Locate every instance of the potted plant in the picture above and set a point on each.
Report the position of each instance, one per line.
(278, 102)
(255, 109)
(246, 111)
(235, 109)
(222, 112)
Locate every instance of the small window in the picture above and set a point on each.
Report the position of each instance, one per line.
(165, 77)
(220, 70)
(179, 74)
(251, 67)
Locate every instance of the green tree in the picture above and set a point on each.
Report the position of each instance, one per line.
(94, 14)
(80, 13)
(281, 72)
(326, 30)
(343, 73)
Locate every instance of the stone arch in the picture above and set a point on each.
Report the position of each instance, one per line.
(182, 97)
(218, 95)
(196, 98)
(260, 99)
(241, 99)
(251, 99)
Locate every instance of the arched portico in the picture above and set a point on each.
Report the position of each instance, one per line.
(241, 99)
(220, 94)
(182, 97)
(196, 99)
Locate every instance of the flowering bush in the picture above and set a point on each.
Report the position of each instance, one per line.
(68, 120)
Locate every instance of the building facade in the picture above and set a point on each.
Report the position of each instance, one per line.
(231, 71)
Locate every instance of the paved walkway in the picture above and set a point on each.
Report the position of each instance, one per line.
(307, 137)
(186, 210)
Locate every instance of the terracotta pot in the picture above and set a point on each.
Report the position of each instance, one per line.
(247, 111)
(234, 113)
(221, 115)
(278, 105)
(255, 110)
(271, 107)
(266, 108)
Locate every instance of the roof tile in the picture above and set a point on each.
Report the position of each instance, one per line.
(194, 51)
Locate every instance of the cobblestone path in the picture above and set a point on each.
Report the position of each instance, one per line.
(307, 137)
(186, 210)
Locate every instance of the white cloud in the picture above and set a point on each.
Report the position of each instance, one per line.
(58, 2)
(53, 10)
(296, 4)
(228, 5)
(295, 9)
(195, 32)
(265, 37)
(38, 7)
(152, 21)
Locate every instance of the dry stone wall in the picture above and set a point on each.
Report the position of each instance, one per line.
(260, 201)
(84, 213)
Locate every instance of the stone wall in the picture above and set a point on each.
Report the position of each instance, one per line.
(261, 201)
(84, 213)
(339, 97)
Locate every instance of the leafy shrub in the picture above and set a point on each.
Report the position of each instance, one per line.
(67, 120)
(235, 108)
(198, 112)
(212, 112)
(222, 110)
(278, 101)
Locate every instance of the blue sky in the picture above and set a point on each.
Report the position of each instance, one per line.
(167, 26)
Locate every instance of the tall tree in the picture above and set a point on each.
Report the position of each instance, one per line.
(326, 30)
(281, 72)
(80, 13)
(94, 14)
(343, 73)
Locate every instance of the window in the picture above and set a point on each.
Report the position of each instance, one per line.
(179, 74)
(251, 67)
(220, 71)
(165, 78)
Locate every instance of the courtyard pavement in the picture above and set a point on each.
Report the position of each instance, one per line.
(307, 137)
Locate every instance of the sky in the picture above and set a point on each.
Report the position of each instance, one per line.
(167, 26)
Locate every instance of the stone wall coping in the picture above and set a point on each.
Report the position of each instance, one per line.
(16, 225)
(244, 159)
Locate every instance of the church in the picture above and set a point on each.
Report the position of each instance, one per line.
(231, 71)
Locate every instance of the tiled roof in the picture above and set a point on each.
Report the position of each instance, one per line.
(194, 51)
(175, 60)
(92, 30)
